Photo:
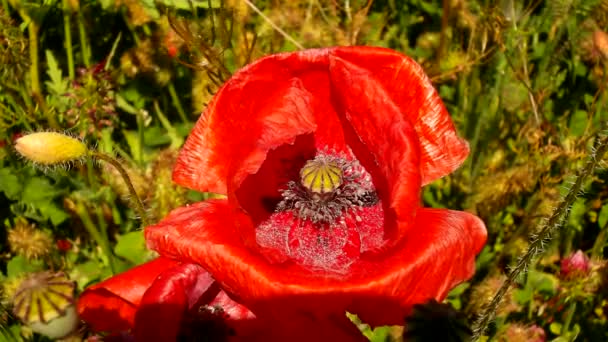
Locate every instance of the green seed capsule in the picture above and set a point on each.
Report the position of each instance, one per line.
(321, 176)
(45, 302)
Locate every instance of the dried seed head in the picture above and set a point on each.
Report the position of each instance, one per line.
(50, 148)
(45, 302)
(24, 239)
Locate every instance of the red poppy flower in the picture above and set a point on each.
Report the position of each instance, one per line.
(322, 155)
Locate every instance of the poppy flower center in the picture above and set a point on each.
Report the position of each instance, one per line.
(326, 217)
(330, 185)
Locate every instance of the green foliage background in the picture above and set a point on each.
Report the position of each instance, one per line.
(523, 80)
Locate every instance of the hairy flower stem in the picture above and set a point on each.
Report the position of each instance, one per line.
(139, 205)
(552, 224)
(68, 38)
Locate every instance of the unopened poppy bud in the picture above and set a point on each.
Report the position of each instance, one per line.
(45, 302)
(600, 41)
(50, 148)
(575, 266)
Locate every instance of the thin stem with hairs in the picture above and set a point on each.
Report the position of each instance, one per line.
(551, 225)
(139, 205)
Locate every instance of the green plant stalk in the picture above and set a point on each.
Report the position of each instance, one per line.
(84, 43)
(68, 39)
(176, 140)
(139, 205)
(88, 224)
(552, 224)
(569, 316)
(176, 103)
(103, 227)
(33, 29)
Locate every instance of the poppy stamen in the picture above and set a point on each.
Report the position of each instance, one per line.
(330, 185)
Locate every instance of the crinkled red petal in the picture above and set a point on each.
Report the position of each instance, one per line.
(168, 299)
(382, 139)
(260, 108)
(438, 254)
(276, 98)
(408, 87)
(111, 305)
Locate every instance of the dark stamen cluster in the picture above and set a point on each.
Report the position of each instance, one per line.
(356, 190)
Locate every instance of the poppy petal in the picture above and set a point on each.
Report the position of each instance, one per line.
(259, 108)
(426, 265)
(169, 297)
(111, 305)
(380, 130)
(405, 82)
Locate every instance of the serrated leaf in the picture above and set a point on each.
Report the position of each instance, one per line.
(57, 85)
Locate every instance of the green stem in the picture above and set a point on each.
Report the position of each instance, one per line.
(569, 316)
(139, 205)
(34, 74)
(84, 44)
(36, 89)
(68, 38)
(176, 140)
(177, 103)
(103, 227)
(88, 224)
(547, 230)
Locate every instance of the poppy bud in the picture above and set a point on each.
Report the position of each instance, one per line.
(45, 302)
(50, 148)
(576, 265)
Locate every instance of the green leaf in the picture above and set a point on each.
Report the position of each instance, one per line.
(603, 216)
(19, 265)
(380, 334)
(578, 123)
(38, 189)
(132, 246)
(9, 184)
(86, 273)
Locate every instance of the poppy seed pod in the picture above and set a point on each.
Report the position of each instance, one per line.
(45, 302)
